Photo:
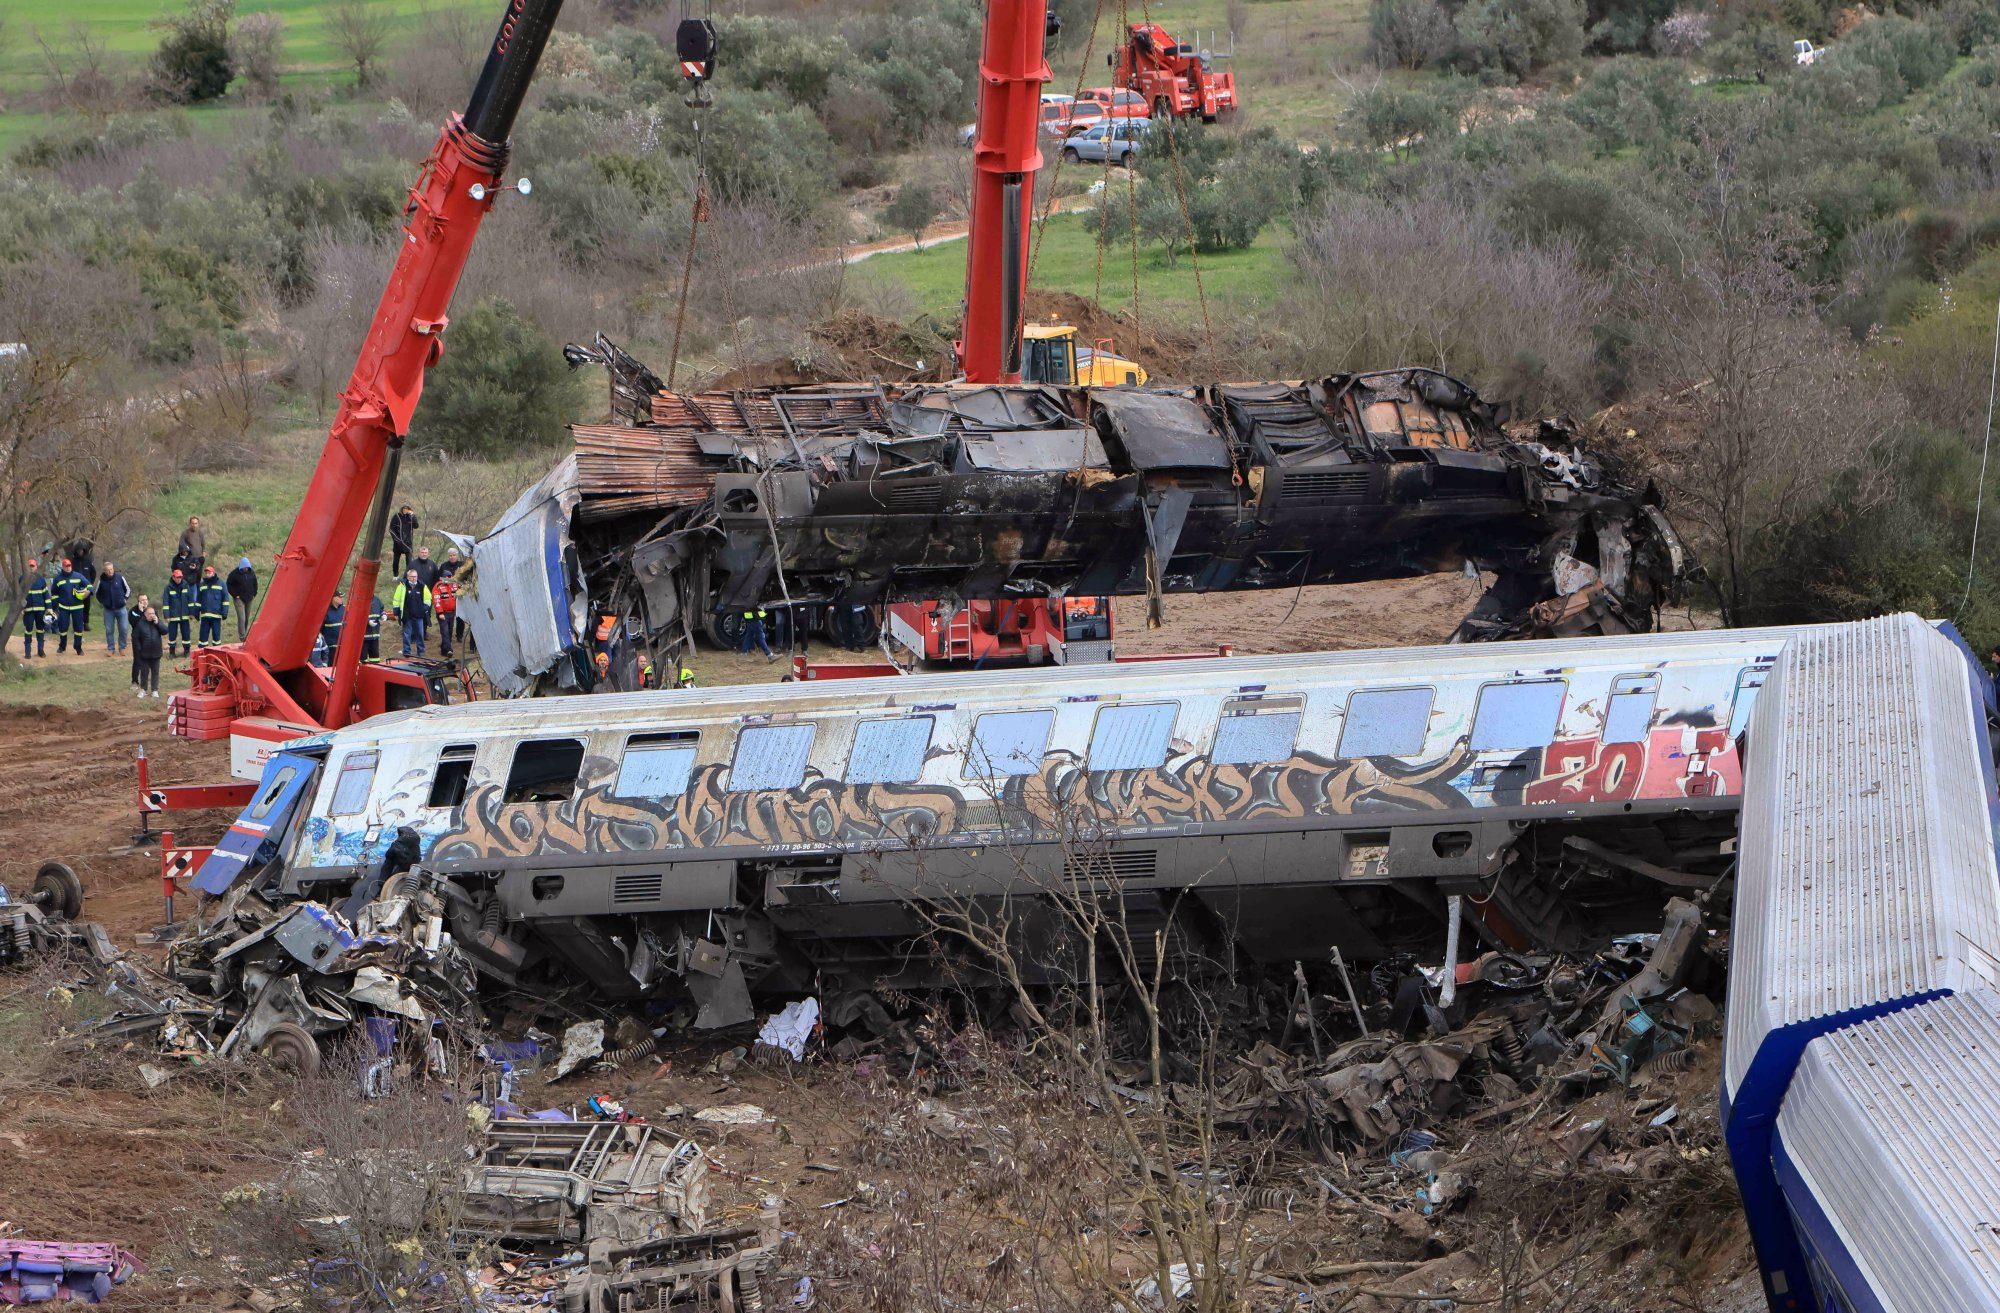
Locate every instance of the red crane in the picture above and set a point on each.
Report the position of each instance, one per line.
(1005, 156)
(267, 682)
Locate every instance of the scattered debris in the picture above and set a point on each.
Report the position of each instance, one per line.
(54, 1271)
(734, 1114)
(791, 1029)
(547, 1187)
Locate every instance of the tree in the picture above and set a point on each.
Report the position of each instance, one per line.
(1409, 33)
(257, 45)
(72, 459)
(193, 63)
(501, 387)
(358, 30)
(1520, 37)
(912, 211)
(1756, 408)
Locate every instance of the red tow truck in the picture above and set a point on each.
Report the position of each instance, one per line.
(1065, 630)
(1174, 78)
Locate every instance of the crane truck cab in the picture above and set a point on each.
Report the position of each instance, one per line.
(1050, 354)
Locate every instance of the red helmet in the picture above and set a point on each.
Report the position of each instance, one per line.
(33, 564)
(65, 563)
(177, 574)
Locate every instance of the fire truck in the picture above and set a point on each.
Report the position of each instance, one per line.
(1062, 630)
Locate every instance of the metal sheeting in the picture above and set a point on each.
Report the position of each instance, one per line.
(1867, 866)
(525, 610)
(620, 469)
(1894, 1125)
(1163, 432)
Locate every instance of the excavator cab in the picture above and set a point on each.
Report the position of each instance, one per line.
(1049, 354)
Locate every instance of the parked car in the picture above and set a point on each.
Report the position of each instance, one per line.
(1116, 102)
(1114, 139)
(1083, 114)
(1803, 53)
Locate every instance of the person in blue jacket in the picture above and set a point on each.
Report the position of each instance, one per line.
(211, 602)
(177, 608)
(34, 632)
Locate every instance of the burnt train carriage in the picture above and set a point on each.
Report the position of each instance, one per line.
(1271, 806)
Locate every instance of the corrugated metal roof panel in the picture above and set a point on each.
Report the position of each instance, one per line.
(1895, 1125)
(1866, 868)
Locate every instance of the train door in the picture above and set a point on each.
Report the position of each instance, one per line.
(258, 834)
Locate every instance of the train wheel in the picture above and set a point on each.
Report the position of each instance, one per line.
(291, 1048)
(59, 891)
(854, 627)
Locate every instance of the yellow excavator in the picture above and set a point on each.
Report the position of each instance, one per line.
(1050, 354)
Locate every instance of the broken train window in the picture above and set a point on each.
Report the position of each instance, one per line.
(657, 765)
(890, 751)
(1511, 716)
(544, 770)
(1628, 712)
(1008, 743)
(1254, 730)
(770, 757)
(357, 776)
(1132, 737)
(1386, 722)
(454, 771)
(261, 809)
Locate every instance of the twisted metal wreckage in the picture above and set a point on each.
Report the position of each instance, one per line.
(692, 506)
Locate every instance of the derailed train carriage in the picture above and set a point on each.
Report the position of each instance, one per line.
(1258, 809)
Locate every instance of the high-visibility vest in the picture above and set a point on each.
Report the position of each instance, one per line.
(758, 614)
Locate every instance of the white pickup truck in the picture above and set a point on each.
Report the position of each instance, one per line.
(1804, 53)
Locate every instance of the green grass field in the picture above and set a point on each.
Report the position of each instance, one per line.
(127, 28)
(1067, 261)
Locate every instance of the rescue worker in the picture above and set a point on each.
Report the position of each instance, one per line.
(604, 670)
(146, 633)
(80, 552)
(34, 630)
(113, 593)
(753, 632)
(449, 569)
(685, 679)
(336, 620)
(192, 553)
(211, 601)
(72, 596)
(242, 592)
(371, 638)
(412, 602)
(177, 607)
(402, 533)
(444, 602)
(140, 605)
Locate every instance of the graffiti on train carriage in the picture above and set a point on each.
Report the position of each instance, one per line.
(1063, 795)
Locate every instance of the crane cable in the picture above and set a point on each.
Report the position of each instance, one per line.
(1187, 213)
(1985, 451)
(697, 216)
(697, 66)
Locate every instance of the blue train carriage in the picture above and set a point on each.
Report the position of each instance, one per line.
(1273, 807)
(1862, 1048)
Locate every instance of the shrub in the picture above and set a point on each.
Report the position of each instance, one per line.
(1761, 53)
(501, 387)
(1684, 33)
(1520, 37)
(1409, 33)
(1630, 102)
(1617, 26)
(193, 63)
(1905, 55)
(912, 211)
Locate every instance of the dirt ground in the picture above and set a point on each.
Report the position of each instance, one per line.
(88, 1153)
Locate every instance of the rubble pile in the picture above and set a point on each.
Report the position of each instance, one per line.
(51, 1271)
(1533, 1024)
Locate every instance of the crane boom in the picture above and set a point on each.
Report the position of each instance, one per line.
(269, 674)
(1007, 151)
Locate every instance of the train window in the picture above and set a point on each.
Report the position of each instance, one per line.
(1386, 722)
(544, 770)
(656, 765)
(1256, 730)
(1517, 715)
(454, 770)
(1132, 737)
(1748, 681)
(261, 809)
(357, 776)
(770, 757)
(1008, 743)
(889, 751)
(1628, 713)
